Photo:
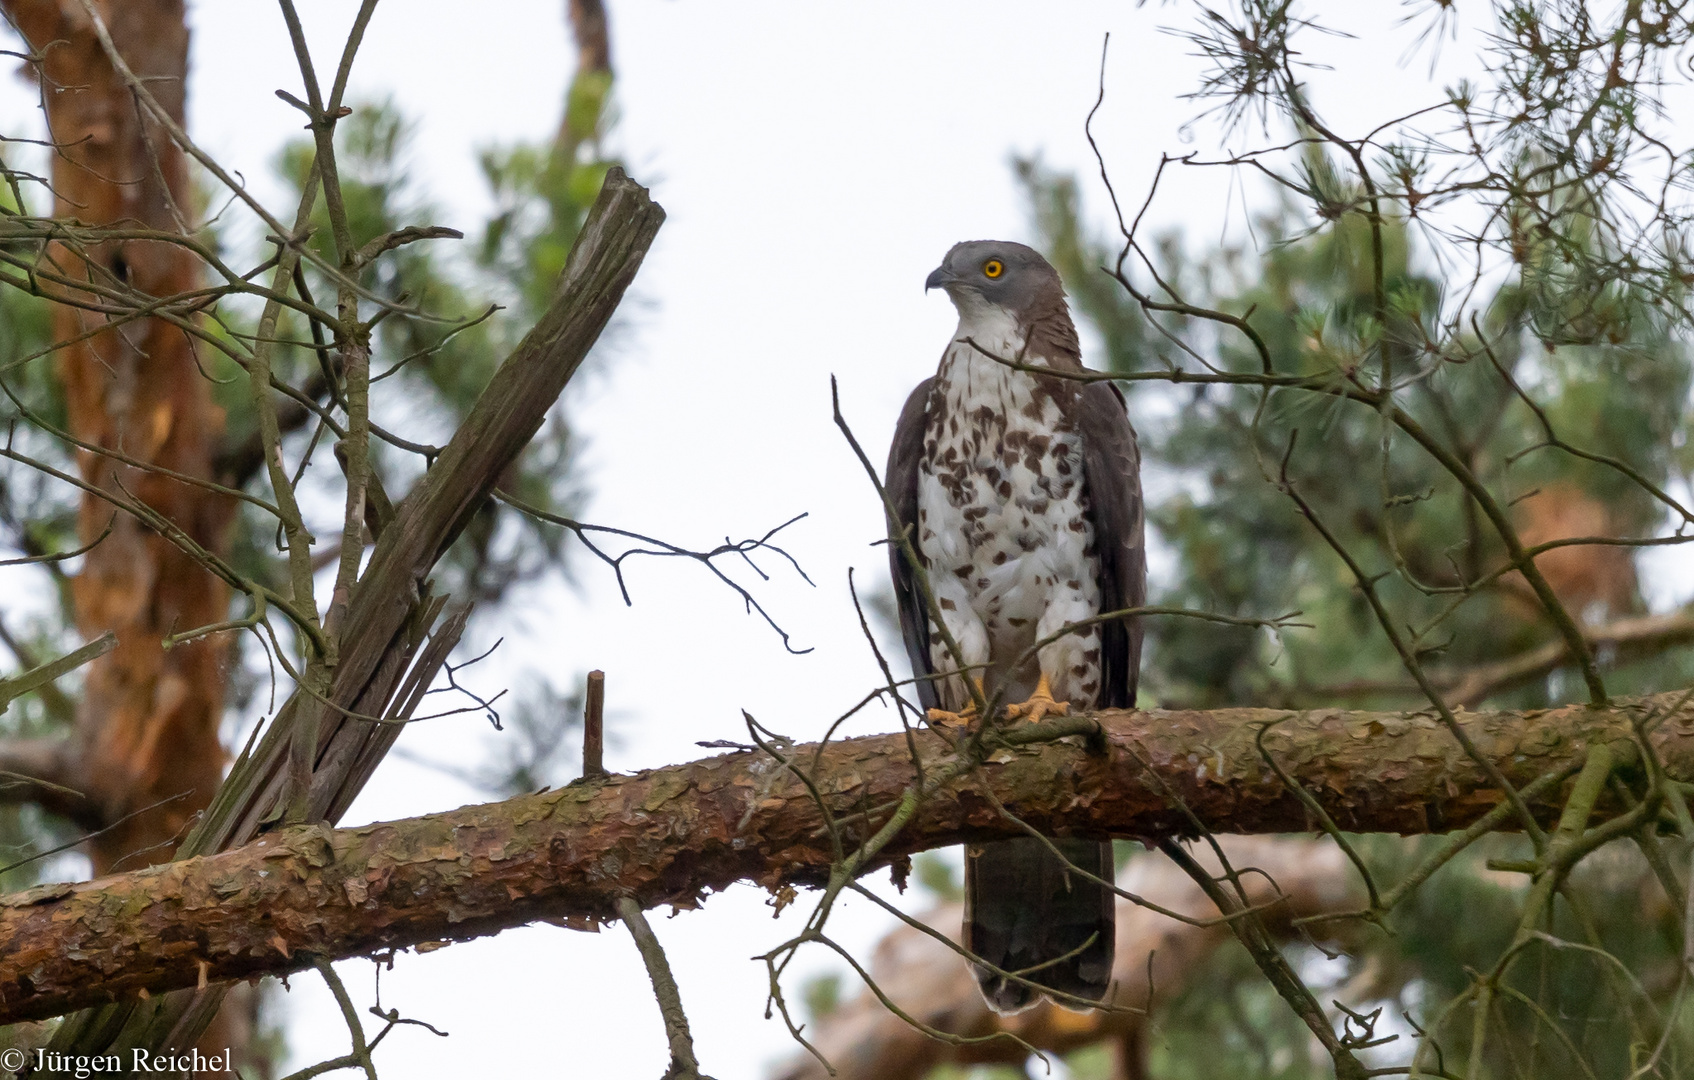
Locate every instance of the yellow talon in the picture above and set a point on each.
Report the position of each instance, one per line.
(963, 717)
(1040, 704)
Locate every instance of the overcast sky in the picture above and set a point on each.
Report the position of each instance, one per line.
(816, 161)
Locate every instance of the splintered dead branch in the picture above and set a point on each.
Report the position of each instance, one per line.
(363, 658)
(390, 612)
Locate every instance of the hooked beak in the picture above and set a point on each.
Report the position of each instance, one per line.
(938, 278)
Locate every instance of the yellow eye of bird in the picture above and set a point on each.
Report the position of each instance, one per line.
(993, 268)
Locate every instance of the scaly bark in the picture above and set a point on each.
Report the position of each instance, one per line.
(670, 835)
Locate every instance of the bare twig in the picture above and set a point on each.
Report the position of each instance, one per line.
(683, 1065)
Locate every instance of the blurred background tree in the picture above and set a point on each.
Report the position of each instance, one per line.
(1241, 547)
(542, 193)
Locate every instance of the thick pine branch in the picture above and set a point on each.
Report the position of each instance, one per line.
(670, 835)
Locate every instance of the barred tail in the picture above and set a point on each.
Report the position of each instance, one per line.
(1025, 909)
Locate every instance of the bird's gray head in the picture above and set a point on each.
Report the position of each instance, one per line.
(1001, 273)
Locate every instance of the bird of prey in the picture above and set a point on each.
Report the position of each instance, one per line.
(1022, 496)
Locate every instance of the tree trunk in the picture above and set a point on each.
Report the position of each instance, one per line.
(146, 749)
(668, 836)
(148, 721)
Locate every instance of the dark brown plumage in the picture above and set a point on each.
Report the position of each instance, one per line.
(1025, 912)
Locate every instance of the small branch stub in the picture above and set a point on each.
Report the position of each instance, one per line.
(594, 726)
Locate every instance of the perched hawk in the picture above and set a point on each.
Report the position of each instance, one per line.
(1023, 493)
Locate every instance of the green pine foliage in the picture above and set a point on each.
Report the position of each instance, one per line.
(544, 192)
(1243, 548)
(1612, 377)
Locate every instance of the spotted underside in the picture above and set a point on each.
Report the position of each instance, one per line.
(1004, 529)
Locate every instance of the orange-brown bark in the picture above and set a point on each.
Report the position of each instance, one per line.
(671, 835)
(146, 750)
(147, 725)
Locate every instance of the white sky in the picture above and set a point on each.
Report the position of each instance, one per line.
(816, 161)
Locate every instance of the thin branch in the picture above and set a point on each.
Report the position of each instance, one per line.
(35, 678)
(661, 548)
(683, 1065)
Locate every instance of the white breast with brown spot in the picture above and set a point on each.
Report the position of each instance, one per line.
(1002, 523)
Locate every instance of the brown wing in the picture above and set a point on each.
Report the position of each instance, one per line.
(1111, 476)
(901, 482)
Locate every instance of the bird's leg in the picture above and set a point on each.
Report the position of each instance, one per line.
(964, 716)
(1040, 704)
